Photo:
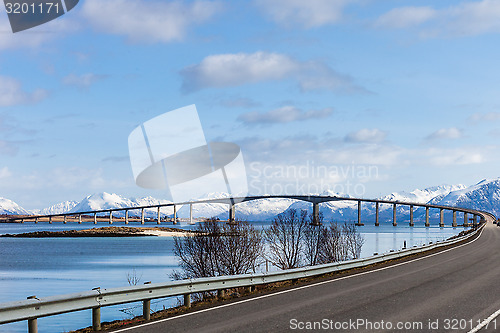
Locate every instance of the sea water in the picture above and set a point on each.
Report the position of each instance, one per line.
(55, 266)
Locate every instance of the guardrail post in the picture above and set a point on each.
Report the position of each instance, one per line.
(411, 216)
(466, 220)
(96, 319)
(146, 309)
(454, 219)
(220, 293)
(142, 216)
(32, 325)
(187, 300)
(159, 216)
(427, 224)
(376, 215)
(441, 218)
(394, 223)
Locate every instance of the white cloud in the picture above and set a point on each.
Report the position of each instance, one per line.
(465, 19)
(11, 93)
(5, 173)
(366, 136)
(405, 17)
(457, 156)
(284, 114)
(82, 81)
(223, 70)
(311, 13)
(148, 21)
(446, 133)
(487, 116)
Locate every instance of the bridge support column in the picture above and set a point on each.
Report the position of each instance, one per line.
(376, 215)
(50, 219)
(142, 215)
(427, 224)
(64, 221)
(36, 219)
(475, 220)
(454, 225)
(394, 222)
(441, 218)
(159, 217)
(95, 218)
(190, 213)
(111, 217)
(96, 319)
(359, 212)
(232, 213)
(175, 214)
(315, 220)
(126, 216)
(79, 218)
(466, 220)
(411, 216)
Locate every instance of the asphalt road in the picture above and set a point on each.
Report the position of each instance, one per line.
(450, 291)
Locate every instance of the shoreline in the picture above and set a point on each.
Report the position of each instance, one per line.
(107, 232)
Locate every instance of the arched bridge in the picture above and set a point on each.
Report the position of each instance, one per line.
(232, 202)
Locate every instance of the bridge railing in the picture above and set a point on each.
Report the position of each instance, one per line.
(34, 308)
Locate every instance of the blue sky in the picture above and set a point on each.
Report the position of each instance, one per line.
(384, 95)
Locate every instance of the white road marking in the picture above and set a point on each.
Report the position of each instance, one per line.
(300, 288)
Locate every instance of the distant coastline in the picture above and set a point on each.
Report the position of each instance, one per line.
(107, 232)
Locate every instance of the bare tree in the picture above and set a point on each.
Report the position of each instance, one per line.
(218, 250)
(241, 246)
(285, 238)
(340, 243)
(353, 240)
(133, 279)
(314, 236)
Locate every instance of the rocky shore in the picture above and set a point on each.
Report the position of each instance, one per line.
(106, 232)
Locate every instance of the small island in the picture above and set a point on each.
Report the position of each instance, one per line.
(108, 232)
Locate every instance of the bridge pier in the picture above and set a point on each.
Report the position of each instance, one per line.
(64, 221)
(142, 215)
(411, 216)
(126, 216)
(36, 219)
(427, 224)
(50, 219)
(454, 225)
(191, 214)
(394, 222)
(475, 220)
(95, 218)
(466, 220)
(175, 214)
(315, 220)
(79, 218)
(232, 213)
(359, 212)
(376, 215)
(159, 217)
(110, 217)
(441, 218)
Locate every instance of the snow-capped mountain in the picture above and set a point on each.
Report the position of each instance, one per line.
(484, 195)
(59, 208)
(9, 207)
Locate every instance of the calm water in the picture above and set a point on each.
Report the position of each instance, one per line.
(53, 266)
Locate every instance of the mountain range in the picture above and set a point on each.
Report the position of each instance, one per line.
(484, 195)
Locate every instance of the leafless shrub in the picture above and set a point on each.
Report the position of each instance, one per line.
(217, 249)
(285, 237)
(340, 243)
(314, 235)
(133, 279)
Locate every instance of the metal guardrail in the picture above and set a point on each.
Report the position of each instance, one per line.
(34, 308)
